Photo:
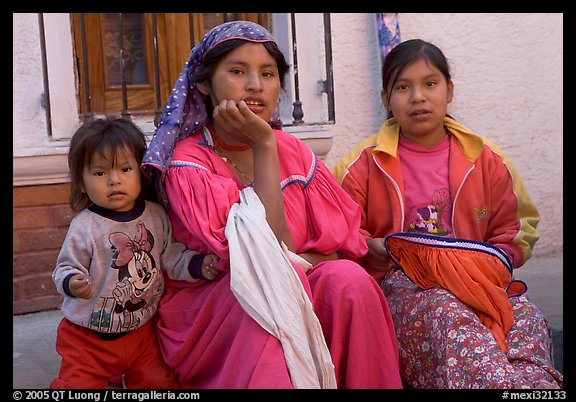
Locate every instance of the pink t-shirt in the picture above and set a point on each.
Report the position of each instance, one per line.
(426, 187)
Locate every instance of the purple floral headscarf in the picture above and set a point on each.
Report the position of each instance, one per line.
(185, 112)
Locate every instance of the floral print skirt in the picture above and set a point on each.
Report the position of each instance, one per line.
(443, 344)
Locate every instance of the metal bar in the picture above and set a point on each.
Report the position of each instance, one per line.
(46, 96)
(191, 26)
(158, 111)
(297, 113)
(87, 115)
(329, 71)
(125, 113)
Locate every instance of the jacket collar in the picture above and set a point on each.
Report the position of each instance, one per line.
(471, 144)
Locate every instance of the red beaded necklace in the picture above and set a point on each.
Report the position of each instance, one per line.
(218, 142)
(227, 147)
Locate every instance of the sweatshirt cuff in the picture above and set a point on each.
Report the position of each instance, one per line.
(195, 267)
(66, 287)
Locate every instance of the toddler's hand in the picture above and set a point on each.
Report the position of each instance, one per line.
(208, 270)
(80, 286)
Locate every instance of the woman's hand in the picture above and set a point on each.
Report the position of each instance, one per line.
(315, 258)
(237, 121)
(377, 257)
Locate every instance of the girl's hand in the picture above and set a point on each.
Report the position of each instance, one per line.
(377, 257)
(80, 286)
(209, 271)
(240, 123)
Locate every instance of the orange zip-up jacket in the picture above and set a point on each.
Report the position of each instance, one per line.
(490, 203)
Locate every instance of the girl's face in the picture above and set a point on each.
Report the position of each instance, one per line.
(419, 99)
(246, 73)
(113, 181)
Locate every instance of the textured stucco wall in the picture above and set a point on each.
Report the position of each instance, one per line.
(29, 117)
(508, 75)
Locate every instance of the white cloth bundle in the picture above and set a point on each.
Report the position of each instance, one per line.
(269, 290)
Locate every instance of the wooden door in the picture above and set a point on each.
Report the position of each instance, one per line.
(99, 61)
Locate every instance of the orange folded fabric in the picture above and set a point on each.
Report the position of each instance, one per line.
(478, 273)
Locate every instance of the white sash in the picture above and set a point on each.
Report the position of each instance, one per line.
(269, 290)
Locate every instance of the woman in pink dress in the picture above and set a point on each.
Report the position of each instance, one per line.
(219, 135)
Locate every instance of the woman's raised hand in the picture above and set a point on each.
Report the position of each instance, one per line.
(241, 123)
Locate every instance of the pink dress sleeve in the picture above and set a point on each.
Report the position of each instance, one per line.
(199, 204)
(321, 215)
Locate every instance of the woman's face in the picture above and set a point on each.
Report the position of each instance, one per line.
(247, 73)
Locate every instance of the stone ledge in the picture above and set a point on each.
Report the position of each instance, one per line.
(53, 169)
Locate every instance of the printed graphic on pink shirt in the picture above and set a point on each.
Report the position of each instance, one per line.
(431, 218)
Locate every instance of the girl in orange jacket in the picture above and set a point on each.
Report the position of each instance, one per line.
(446, 218)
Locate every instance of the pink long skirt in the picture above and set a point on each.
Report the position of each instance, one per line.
(210, 342)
